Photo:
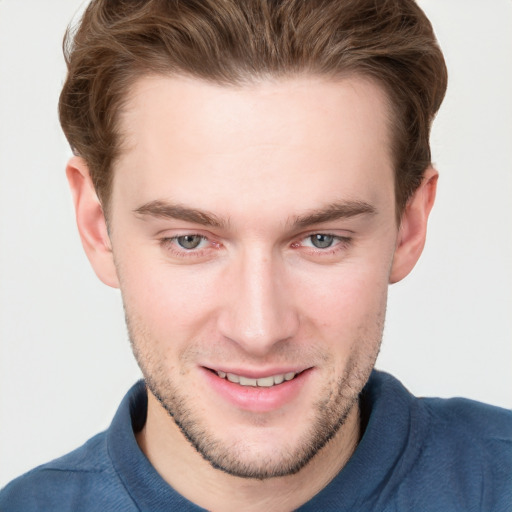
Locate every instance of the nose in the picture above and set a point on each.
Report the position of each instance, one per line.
(258, 310)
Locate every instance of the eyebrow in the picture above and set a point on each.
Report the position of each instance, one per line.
(333, 211)
(164, 210)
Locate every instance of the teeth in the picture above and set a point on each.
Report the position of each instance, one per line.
(278, 379)
(245, 381)
(264, 382)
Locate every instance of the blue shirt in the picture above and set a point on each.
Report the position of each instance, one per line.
(416, 454)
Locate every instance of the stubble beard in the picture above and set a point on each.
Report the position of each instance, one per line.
(330, 413)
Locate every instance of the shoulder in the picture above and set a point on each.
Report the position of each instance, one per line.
(472, 428)
(466, 446)
(463, 420)
(449, 454)
(81, 480)
(449, 417)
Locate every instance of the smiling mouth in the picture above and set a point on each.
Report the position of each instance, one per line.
(263, 382)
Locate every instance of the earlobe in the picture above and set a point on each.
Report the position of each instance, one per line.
(413, 228)
(91, 222)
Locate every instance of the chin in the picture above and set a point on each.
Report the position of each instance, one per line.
(266, 449)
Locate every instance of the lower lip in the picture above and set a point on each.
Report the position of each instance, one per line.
(257, 399)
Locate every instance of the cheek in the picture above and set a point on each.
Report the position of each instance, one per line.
(346, 297)
(164, 298)
(349, 321)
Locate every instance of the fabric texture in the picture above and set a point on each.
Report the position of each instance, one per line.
(416, 454)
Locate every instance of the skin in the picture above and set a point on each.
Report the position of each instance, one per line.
(265, 165)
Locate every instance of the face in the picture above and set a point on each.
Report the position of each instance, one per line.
(253, 231)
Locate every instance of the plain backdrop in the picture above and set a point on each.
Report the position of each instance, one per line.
(65, 360)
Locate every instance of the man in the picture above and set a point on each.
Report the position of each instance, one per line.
(252, 175)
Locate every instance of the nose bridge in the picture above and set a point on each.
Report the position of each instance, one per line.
(259, 312)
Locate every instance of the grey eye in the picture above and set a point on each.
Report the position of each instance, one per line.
(321, 241)
(189, 241)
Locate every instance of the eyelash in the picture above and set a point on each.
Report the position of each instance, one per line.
(170, 244)
(340, 243)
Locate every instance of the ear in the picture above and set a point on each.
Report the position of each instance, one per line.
(413, 227)
(91, 221)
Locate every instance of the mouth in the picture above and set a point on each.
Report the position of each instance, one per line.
(262, 382)
(255, 390)
(266, 381)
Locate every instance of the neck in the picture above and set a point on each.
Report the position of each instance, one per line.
(183, 468)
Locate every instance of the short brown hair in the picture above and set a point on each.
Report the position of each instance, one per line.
(236, 41)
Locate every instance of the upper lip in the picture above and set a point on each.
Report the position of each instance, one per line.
(258, 373)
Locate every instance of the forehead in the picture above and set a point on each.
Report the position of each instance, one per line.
(266, 105)
(192, 139)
